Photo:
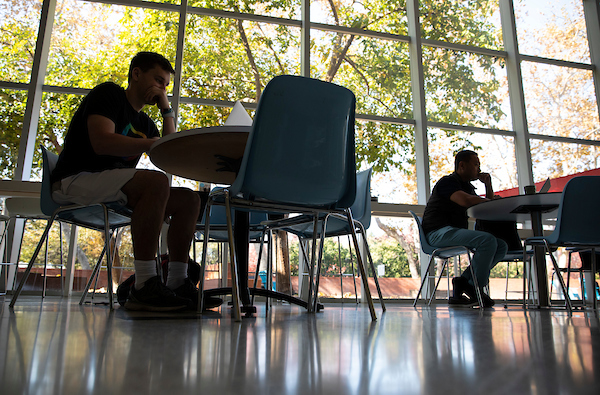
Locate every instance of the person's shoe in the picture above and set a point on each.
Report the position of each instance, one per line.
(154, 296)
(461, 286)
(487, 301)
(189, 291)
(461, 301)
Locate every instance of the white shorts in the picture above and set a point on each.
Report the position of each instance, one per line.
(88, 188)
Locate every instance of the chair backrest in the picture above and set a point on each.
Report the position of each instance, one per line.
(301, 147)
(425, 246)
(47, 204)
(579, 212)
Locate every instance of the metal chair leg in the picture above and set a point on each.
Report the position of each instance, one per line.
(375, 277)
(234, 277)
(560, 279)
(31, 262)
(361, 267)
(425, 277)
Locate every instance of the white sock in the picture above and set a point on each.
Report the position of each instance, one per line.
(177, 274)
(144, 270)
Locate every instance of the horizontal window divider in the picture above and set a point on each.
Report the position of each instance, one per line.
(359, 32)
(141, 4)
(562, 139)
(392, 120)
(215, 102)
(471, 129)
(464, 48)
(66, 90)
(399, 210)
(556, 62)
(243, 16)
(17, 86)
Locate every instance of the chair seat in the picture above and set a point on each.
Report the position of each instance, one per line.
(93, 216)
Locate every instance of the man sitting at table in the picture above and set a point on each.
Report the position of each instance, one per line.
(106, 137)
(445, 224)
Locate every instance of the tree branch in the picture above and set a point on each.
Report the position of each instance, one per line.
(255, 70)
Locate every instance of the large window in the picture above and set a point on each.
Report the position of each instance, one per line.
(411, 116)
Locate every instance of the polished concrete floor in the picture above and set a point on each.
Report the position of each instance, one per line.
(58, 347)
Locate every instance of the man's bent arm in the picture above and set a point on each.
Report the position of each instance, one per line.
(466, 200)
(105, 141)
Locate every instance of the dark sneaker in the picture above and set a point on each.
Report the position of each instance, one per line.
(154, 296)
(461, 286)
(487, 301)
(189, 291)
(461, 301)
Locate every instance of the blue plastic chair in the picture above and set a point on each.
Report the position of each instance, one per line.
(218, 225)
(576, 225)
(299, 157)
(444, 253)
(336, 225)
(104, 217)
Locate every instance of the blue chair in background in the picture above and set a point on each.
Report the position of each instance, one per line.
(576, 225)
(218, 233)
(103, 217)
(337, 225)
(444, 253)
(299, 158)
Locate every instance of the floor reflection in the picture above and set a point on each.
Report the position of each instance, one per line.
(62, 348)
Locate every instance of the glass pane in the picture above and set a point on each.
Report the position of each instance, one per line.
(218, 65)
(94, 43)
(381, 16)
(289, 9)
(552, 29)
(394, 245)
(389, 149)
(12, 111)
(560, 101)
(462, 88)
(496, 153)
(18, 35)
(552, 159)
(475, 23)
(56, 111)
(55, 270)
(377, 71)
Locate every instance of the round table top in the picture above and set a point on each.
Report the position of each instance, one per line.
(191, 153)
(517, 208)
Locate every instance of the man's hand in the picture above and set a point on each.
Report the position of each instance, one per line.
(487, 181)
(485, 178)
(158, 96)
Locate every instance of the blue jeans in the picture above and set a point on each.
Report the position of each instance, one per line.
(489, 250)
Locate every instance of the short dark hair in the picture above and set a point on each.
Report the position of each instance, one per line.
(146, 61)
(463, 156)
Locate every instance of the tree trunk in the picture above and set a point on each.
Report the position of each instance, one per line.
(406, 243)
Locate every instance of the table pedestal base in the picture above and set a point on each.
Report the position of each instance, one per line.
(249, 309)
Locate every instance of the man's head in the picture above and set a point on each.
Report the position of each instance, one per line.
(148, 60)
(466, 165)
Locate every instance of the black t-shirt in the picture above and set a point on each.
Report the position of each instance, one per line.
(440, 210)
(108, 100)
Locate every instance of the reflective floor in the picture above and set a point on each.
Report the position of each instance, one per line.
(58, 347)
